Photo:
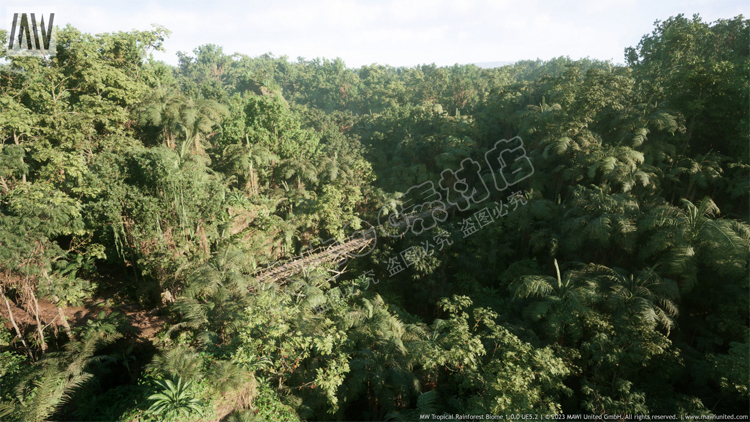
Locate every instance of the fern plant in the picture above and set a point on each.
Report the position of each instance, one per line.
(48, 385)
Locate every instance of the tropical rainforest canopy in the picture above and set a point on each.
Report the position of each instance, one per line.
(539, 238)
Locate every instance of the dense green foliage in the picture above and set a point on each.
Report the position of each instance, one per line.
(610, 274)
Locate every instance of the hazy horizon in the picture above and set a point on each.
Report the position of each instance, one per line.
(391, 33)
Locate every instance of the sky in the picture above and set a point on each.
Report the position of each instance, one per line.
(394, 32)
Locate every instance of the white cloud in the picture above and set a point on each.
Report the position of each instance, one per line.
(396, 32)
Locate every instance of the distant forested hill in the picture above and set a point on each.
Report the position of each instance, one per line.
(490, 65)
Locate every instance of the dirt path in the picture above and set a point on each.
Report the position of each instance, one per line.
(146, 323)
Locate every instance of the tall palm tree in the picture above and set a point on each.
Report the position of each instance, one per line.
(200, 122)
(301, 168)
(286, 233)
(330, 167)
(559, 304)
(214, 296)
(162, 109)
(196, 121)
(684, 238)
(383, 357)
(339, 168)
(598, 218)
(249, 160)
(179, 117)
(644, 296)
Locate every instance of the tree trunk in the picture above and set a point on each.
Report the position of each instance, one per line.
(38, 322)
(13, 321)
(253, 189)
(65, 324)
